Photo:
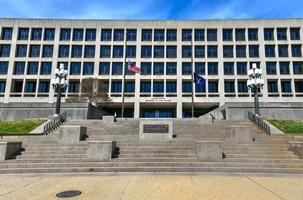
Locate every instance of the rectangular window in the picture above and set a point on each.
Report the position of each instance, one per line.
(90, 35)
(212, 68)
(88, 68)
(30, 87)
(34, 51)
(286, 86)
(296, 50)
(253, 51)
(158, 87)
(118, 35)
(73, 86)
(32, 68)
(3, 67)
(200, 68)
(171, 35)
(199, 51)
(283, 50)
(241, 51)
(270, 51)
(21, 50)
(199, 34)
(271, 68)
(89, 51)
(186, 34)
(186, 51)
(299, 86)
(186, 87)
(171, 87)
(213, 87)
(158, 68)
(282, 33)
(131, 51)
(171, 51)
(7, 33)
(77, 51)
(145, 68)
(146, 51)
(229, 86)
(77, 34)
(295, 33)
(130, 87)
(211, 34)
(5, 50)
(36, 34)
(159, 35)
(49, 34)
(241, 68)
(104, 68)
(23, 33)
(105, 51)
(131, 34)
(19, 68)
(227, 34)
(252, 34)
(63, 51)
(44, 87)
(117, 68)
(212, 51)
(118, 51)
(284, 68)
(272, 86)
(242, 87)
(268, 34)
(75, 68)
(240, 34)
(186, 68)
(147, 35)
(46, 68)
(116, 87)
(171, 68)
(228, 51)
(106, 35)
(2, 86)
(145, 87)
(228, 68)
(298, 67)
(158, 51)
(47, 51)
(17, 86)
(65, 34)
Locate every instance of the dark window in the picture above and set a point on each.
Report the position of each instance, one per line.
(44, 87)
(171, 35)
(49, 34)
(186, 34)
(63, 51)
(147, 35)
(118, 51)
(158, 87)
(130, 87)
(186, 68)
(270, 51)
(171, 68)
(145, 86)
(253, 34)
(228, 51)
(171, 51)
(34, 51)
(105, 51)
(242, 87)
(283, 50)
(117, 68)
(295, 33)
(272, 86)
(298, 67)
(227, 34)
(76, 51)
(282, 33)
(78, 34)
(75, 68)
(212, 68)
(104, 68)
(241, 68)
(106, 35)
(240, 34)
(199, 51)
(90, 35)
(171, 87)
(5, 50)
(213, 86)
(241, 51)
(268, 34)
(158, 68)
(199, 34)
(65, 34)
(118, 35)
(131, 34)
(296, 50)
(36, 34)
(146, 51)
(299, 86)
(200, 68)
(32, 68)
(228, 68)
(7, 33)
(46, 68)
(253, 51)
(2, 86)
(47, 51)
(146, 68)
(3, 67)
(186, 86)
(212, 51)
(286, 86)
(158, 51)
(73, 86)
(186, 51)
(21, 50)
(130, 51)
(229, 86)
(23, 33)
(284, 67)
(88, 68)
(159, 35)
(30, 87)
(19, 68)
(17, 86)
(211, 34)
(89, 51)
(116, 87)
(271, 68)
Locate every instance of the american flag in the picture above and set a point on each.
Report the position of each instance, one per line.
(132, 67)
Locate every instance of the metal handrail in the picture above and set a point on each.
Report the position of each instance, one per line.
(257, 120)
(54, 123)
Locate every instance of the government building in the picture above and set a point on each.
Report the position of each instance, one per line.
(168, 52)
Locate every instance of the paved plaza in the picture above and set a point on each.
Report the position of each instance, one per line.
(153, 187)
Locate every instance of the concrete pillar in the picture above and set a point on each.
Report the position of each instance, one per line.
(71, 134)
(101, 150)
(209, 151)
(239, 134)
(8, 149)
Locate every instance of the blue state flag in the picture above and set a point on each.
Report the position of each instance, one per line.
(199, 80)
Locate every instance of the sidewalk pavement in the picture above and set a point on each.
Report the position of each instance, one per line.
(149, 187)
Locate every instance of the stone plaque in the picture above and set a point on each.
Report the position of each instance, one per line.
(155, 128)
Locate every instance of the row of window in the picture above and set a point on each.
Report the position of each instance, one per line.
(77, 34)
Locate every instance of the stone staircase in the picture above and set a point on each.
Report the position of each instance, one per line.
(43, 154)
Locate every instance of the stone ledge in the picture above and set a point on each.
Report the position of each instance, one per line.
(101, 150)
(296, 147)
(71, 134)
(209, 150)
(8, 149)
(239, 134)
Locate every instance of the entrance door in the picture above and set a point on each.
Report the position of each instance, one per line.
(158, 113)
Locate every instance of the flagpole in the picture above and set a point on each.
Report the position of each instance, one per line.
(123, 81)
(192, 78)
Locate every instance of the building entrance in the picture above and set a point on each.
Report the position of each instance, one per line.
(158, 113)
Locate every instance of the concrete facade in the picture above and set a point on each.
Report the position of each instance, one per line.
(71, 134)
(222, 85)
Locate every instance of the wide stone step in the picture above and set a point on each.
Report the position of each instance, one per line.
(147, 148)
(258, 152)
(273, 156)
(54, 152)
(262, 160)
(155, 155)
(49, 156)
(62, 148)
(157, 151)
(256, 148)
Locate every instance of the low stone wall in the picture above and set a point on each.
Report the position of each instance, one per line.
(9, 149)
(296, 147)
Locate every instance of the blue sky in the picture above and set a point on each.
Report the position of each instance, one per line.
(151, 9)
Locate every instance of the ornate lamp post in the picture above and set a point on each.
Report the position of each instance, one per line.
(59, 84)
(254, 83)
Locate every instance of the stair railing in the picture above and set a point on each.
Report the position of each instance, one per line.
(54, 123)
(257, 120)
